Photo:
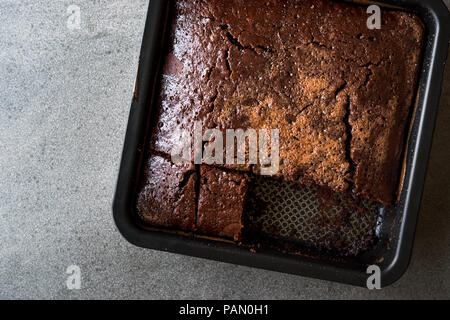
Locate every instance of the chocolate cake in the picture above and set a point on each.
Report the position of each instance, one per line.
(339, 93)
(221, 202)
(167, 194)
(167, 198)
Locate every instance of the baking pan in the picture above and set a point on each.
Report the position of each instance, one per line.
(395, 225)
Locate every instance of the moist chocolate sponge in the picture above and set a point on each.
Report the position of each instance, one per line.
(167, 194)
(221, 202)
(339, 94)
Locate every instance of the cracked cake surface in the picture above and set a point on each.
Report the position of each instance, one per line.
(178, 196)
(221, 202)
(167, 195)
(339, 94)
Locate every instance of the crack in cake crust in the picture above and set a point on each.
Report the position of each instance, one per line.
(292, 66)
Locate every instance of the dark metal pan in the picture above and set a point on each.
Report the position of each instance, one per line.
(396, 225)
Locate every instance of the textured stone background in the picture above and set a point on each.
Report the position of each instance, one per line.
(64, 103)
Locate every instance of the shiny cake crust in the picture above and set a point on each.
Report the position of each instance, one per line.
(167, 195)
(339, 93)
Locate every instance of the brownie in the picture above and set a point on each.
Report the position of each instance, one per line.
(221, 202)
(339, 93)
(167, 196)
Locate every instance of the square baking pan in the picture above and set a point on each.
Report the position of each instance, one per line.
(394, 225)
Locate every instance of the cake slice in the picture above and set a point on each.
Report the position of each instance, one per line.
(221, 203)
(167, 194)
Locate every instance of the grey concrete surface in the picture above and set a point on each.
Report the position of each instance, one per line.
(65, 99)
